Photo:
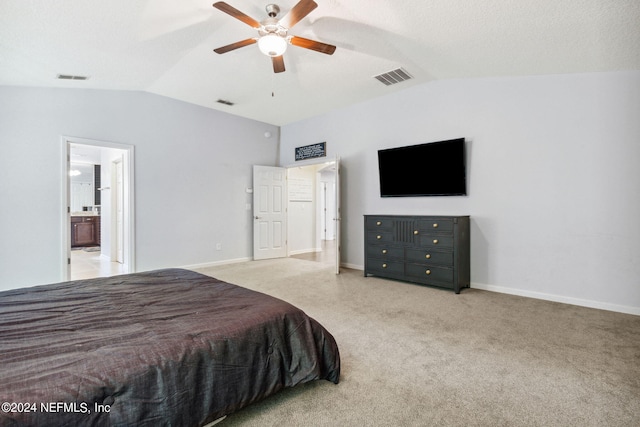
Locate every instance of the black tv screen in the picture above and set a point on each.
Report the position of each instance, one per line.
(432, 169)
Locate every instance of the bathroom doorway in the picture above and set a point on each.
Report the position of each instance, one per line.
(98, 219)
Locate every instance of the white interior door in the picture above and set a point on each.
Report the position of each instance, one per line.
(269, 212)
(336, 217)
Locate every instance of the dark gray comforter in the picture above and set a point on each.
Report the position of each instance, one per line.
(166, 347)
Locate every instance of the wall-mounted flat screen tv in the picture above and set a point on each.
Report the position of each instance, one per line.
(432, 169)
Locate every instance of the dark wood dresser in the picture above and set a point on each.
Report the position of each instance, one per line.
(429, 250)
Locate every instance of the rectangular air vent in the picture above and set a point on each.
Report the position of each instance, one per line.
(395, 76)
(71, 77)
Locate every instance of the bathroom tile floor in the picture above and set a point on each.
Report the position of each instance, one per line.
(86, 265)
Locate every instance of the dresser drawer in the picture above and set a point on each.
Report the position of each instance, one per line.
(384, 252)
(429, 274)
(385, 267)
(424, 256)
(378, 223)
(430, 241)
(379, 236)
(436, 225)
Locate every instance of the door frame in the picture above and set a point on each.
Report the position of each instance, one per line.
(117, 198)
(128, 172)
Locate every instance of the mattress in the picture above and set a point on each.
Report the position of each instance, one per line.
(165, 347)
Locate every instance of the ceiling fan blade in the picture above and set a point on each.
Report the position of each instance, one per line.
(236, 45)
(230, 10)
(278, 64)
(313, 45)
(297, 13)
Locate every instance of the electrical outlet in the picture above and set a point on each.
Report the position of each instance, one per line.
(218, 246)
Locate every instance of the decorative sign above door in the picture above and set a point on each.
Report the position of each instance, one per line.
(311, 151)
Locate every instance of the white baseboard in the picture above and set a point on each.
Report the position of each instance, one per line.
(352, 266)
(542, 296)
(216, 263)
(559, 298)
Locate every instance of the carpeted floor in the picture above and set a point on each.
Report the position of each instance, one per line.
(419, 356)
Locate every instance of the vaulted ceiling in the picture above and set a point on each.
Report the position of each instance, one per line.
(166, 47)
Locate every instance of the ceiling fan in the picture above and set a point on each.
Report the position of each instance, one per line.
(273, 33)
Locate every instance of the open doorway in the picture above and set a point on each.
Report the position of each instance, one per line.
(98, 221)
(313, 226)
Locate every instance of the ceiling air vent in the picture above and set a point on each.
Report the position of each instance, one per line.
(392, 77)
(71, 77)
(224, 101)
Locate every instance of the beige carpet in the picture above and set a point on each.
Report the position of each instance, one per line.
(419, 356)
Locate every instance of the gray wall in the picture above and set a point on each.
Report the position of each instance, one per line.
(552, 165)
(553, 177)
(192, 166)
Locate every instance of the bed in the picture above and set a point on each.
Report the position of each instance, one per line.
(165, 347)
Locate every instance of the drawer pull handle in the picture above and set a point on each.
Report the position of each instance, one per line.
(428, 272)
(435, 241)
(415, 232)
(384, 251)
(435, 225)
(378, 222)
(384, 265)
(428, 256)
(378, 237)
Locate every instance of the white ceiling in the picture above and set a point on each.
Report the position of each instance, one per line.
(166, 47)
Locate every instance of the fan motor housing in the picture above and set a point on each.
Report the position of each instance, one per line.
(272, 10)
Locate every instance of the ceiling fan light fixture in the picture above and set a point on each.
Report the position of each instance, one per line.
(272, 45)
